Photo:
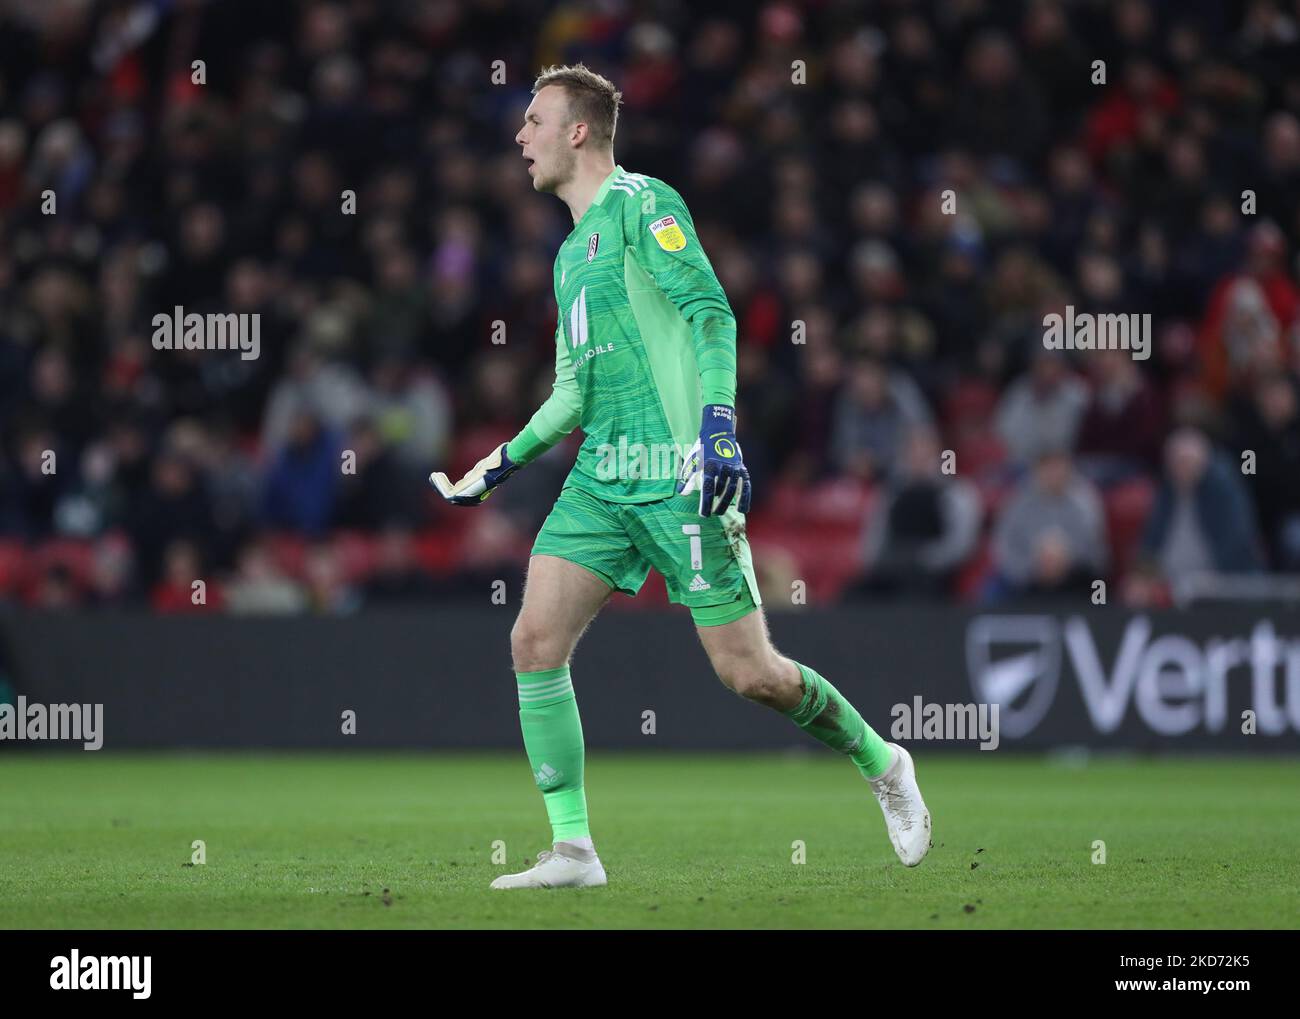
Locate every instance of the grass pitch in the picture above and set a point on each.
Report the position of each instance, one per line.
(406, 840)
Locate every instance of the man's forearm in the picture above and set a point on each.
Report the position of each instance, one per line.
(553, 420)
(715, 355)
(526, 446)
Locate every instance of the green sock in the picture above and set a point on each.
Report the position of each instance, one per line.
(825, 715)
(548, 716)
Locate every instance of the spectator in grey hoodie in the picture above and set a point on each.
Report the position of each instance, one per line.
(1051, 537)
(1041, 410)
(873, 411)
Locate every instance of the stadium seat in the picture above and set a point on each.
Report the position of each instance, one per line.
(970, 404)
(980, 453)
(828, 557)
(833, 501)
(438, 549)
(653, 595)
(1127, 507)
(357, 554)
(474, 444)
(289, 554)
(75, 555)
(972, 577)
(13, 567)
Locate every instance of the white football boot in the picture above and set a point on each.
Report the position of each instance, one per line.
(905, 815)
(561, 866)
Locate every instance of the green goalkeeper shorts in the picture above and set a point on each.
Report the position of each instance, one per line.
(705, 561)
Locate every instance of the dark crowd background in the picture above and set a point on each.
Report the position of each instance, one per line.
(906, 430)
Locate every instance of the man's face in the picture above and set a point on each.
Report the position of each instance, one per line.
(1053, 473)
(544, 139)
(868, 384)
(1187, 455)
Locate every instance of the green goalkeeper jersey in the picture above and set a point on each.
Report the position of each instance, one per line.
(644, 339)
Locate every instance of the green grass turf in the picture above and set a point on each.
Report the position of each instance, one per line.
(103, 841)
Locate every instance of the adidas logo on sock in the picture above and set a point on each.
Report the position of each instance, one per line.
(546, 775)
(699, 584)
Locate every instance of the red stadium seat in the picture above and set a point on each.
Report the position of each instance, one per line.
(1127, 507)
(289, 554)
(835, 501)
(994, 493)
(75, 555)
(972, 577)
(980, 453)
(970, 405)
(13, 566)
(438, 549)
(828, 557)
(357, 554)
(473, 445)
(653, 595)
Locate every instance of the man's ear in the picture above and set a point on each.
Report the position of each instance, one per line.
(579, 134)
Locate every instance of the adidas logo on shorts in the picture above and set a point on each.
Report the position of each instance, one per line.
(699, 584)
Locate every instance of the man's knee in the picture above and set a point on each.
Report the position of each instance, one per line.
(534, 646)
(764, 678)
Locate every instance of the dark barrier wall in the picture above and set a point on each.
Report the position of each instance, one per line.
(441, 677)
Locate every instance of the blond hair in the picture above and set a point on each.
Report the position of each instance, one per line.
(593, 99)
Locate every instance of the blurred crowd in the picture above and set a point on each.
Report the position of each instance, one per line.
(894, 194)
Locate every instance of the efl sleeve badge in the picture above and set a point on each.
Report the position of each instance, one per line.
(668, 234)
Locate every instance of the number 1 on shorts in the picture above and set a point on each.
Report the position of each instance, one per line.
(697, 552)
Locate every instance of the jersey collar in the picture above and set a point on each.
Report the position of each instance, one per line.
(601, 192)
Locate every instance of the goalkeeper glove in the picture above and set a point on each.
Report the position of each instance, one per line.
(477, 485)
(713, 466)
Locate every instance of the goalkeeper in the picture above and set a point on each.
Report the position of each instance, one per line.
(645, 361)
